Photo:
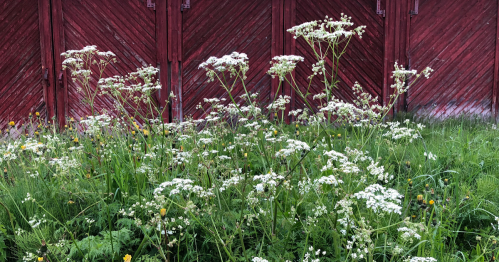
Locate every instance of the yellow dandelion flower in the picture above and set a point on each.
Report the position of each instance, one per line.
(432, 202)
(146, 132)
(75, 140)
(275, 132)
(23, 147)
(12, 123)
(162, 212)
(339, 135)
(127, 258)
(420, 198)
(40, 258)
(37, 114)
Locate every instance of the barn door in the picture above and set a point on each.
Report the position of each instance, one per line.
(363, 61)
(458, 40)
(124, 27)
(217, 28)
(22, 52)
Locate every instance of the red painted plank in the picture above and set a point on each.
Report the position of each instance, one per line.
(162, 54)
(47, 56)
(496, 70)
(59, 47)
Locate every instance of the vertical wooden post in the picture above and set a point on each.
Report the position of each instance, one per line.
(289, 49)
(175, 55)
(61, 92)
(47, 56)
(277, 47)
(496, 72)
(396, 47)
(387, 51)
(162, 55)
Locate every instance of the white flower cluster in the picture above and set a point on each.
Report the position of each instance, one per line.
(430, 156)
(381, 199)
(280, 103)
(79, 59)
(28, 198)
(283, 65)
(138, 85)
(396, 132)
(184, 185)
(64, 164)
(231, 182)
(420, 259)
(234, 63)
(268, 181)
(327, 30)
(329, 180)
(293, 147)
(379, 172)
(94, 124)
(408, 234)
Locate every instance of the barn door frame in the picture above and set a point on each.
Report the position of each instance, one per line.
(54, 26)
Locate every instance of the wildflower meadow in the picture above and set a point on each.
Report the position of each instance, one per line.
(342, 181)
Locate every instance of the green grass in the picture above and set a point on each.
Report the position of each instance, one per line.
(86, 207)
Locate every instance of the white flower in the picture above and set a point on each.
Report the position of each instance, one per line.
(233, 63)
(293, 147)
(430, 156)
(269, 180)
(283, 65)
(381, 199)
(420, 259)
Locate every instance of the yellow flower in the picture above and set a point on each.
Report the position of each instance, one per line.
(71, 202)
(245, 155)
(146, 132)
(432, 202)
(11, 123)
(75, 140)
(420, 198)
(162, 212)
(127, 258)
(133, 133)
(37, 113)
(36, 133)
(40, 258)
(339, 135)
(23, 147)
(275, 132)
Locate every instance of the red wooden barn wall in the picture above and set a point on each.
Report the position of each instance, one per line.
(460, 43)
(124, 27)
(461, 50)
(21, 90)
(217, 28)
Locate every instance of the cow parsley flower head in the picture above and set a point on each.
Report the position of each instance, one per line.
(268, 181)
(283, 65)
(233, 63)
(293, 147)
(381, 199)
(327, 30)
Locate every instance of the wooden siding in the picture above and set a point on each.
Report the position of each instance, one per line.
(456, 38)
(217, 28)
(124, 27)
(21, 90)
(461, 49)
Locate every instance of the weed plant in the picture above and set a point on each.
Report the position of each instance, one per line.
(340, 183)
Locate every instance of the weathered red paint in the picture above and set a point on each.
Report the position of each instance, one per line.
(162, 55)
(217, 28)
(363, 61)
(21, 90)
(460, 43)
